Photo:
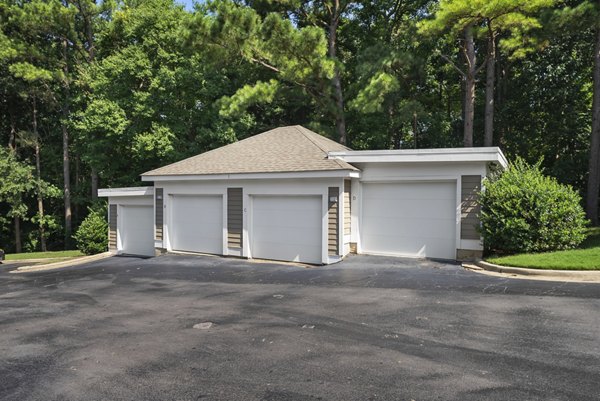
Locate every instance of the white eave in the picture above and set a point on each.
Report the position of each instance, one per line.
(253, 176)
(130, 191)
(488, 154)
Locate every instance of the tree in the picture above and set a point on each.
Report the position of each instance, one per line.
(16, 181)
(514, 17)
(593, 188)
(304, 55)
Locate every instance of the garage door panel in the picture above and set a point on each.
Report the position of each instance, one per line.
(413, 246)
(410, 218)
(426, 208)
(197, 223)
(412, 227)
(425, 191)
(136, 230)
(287, 228)
(295, 218)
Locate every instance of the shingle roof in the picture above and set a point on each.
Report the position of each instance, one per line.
(283, 149)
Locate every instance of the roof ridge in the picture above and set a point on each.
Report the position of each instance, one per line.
(297, 127)
(337, 161)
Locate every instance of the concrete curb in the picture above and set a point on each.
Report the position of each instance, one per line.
(61, 264)
(572, 275)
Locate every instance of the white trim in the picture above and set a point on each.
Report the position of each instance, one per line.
(253, 176)
(487, 154)
(129, 191)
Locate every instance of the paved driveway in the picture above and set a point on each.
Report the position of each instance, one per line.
(370, 328)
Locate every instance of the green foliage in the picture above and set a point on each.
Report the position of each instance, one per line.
(524, 211)
(16, 183)
(155, 83)
(92, 234)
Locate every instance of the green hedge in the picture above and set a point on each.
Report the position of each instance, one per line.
(524, 211)
(92, 235)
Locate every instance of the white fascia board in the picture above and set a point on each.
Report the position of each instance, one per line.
(487, 154)
(129, 191)
(253, 176)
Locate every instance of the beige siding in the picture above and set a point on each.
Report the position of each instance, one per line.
(469, 221)
(347, 207)
(333, 221)
(234, 217)
(112, 227)
(158, 213)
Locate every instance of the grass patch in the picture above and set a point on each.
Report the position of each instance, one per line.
(43, 255)
(586, 257)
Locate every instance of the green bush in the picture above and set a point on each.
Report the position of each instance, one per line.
(92, 234)
(524, 211)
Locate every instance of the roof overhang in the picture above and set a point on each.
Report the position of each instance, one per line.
(130, 191)
(254, 176)
(487, 154)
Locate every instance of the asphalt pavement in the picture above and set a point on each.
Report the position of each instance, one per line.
(369, 328)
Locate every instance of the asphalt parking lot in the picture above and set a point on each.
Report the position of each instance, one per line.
(369, 328)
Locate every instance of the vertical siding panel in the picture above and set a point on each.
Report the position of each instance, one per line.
(234, 217)
(112, 227)
(159, 213)
(347, 208)
(334, 221)
(469, 220)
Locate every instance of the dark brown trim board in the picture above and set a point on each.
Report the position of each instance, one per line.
(112, 227)
(234, 217)
(158, 213)
(333, 247)
(347, 207)
(469, 207)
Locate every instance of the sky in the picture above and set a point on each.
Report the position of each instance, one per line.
(189, 4)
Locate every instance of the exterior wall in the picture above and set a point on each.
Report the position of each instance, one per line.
(235, 219)
(470, 187)
(158, 214)
(251, 187)
(112, 228)
(418, 171)
(347, 213)
(333, 225)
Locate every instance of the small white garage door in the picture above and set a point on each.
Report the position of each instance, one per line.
(136, 230)
(196, 223)
(410, 219)
(287, 228)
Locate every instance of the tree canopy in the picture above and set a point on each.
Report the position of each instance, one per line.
(94, 93)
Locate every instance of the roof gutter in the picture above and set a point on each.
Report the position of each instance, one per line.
(484, 154)
(254, 176)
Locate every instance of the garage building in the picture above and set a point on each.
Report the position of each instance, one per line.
(291, 194)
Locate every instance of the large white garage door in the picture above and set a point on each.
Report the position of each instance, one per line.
(411, 219)
(136, 230)
(196, 223)
(287, 228)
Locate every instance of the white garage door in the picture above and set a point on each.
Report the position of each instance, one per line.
(287, 228)
(136, 230)
(196, 223)
(410, 219)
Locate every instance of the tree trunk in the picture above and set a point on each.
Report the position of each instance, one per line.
(469, 101)
(340, 119)
(18, 244)
(415, 128)
(94, 181)
(594, 168)
(38, 172)
(12, 136)
(65, 145)
(488, 139)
